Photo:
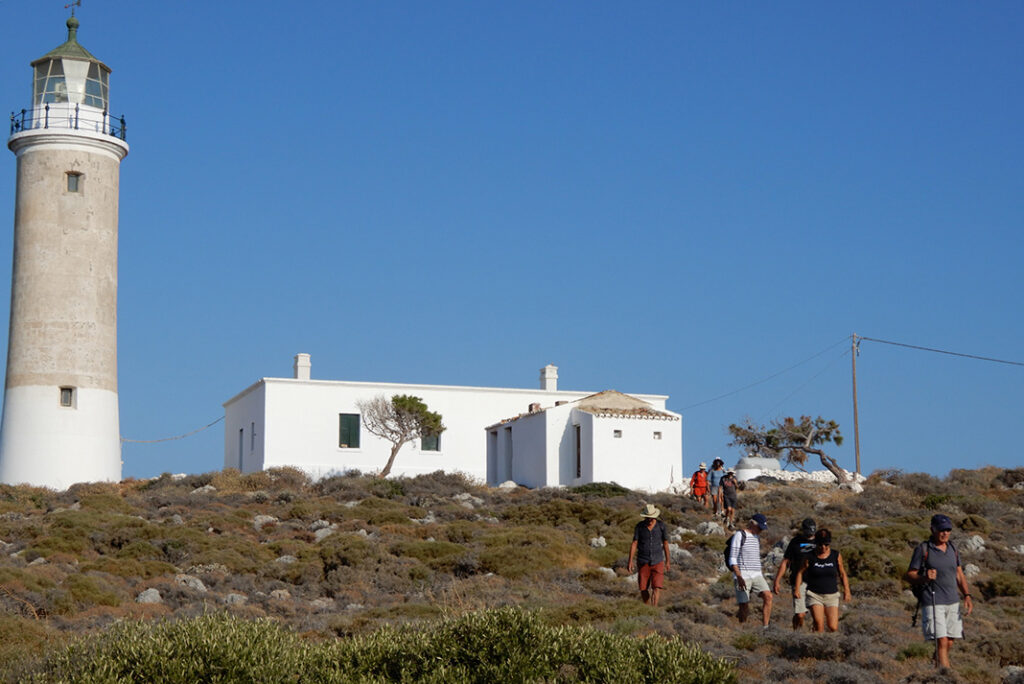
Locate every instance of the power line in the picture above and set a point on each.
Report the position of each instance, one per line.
(942, 351)
(171, 439)
(809, 381)
(763, 380)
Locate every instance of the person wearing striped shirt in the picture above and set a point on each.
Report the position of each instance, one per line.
(745, 564)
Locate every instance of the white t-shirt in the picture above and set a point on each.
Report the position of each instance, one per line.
(749, 557)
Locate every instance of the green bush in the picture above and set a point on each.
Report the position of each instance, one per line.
(1002, 584)
(602, 489)
(491, 646)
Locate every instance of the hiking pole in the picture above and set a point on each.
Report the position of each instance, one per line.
(935, 627)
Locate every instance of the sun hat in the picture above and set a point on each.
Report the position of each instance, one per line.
(650, 511)
(703, 465)
(761, 521)
(730, 471)
(941, 522)
(808, 526)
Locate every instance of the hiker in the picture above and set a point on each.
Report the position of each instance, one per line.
(745, 564)
(819, 578)
(715, 486)
(699, 484)
(730, 490)
(800, 548)
(936, 575)
(650, 551)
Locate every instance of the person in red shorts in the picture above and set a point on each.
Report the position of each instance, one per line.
(649, 552)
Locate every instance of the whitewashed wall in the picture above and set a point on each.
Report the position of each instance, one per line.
(637, 460)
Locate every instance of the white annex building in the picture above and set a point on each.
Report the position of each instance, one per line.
(315, 425)
(604, 437)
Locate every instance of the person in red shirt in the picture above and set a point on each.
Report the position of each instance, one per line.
(699, 484)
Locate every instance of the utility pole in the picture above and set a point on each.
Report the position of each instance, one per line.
(856, 423)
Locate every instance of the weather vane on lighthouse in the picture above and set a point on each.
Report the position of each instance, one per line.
(73, 5)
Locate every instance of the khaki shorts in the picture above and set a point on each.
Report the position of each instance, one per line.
(800, 604)
(756, 585)
(827, 600)
(947, 622)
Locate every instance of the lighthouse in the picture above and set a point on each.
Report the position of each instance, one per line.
(60, 412)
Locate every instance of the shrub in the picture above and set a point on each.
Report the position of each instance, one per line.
(1002, 584)
(521, 551)
(916, 649)
(602, 489)
(497, 645)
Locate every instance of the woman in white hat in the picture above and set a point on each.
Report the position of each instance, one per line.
(650, 552)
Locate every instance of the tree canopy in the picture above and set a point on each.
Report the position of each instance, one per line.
(399, 419)
(791, 439)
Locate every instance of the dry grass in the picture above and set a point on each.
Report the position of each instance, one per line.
(412, 550)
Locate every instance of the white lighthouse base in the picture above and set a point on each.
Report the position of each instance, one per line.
(48, 445)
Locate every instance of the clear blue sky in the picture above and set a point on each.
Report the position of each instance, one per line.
(672, 198)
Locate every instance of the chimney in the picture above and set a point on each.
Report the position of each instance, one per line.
(302, 366)
(549, 378)
(562, 402)
(535, 407)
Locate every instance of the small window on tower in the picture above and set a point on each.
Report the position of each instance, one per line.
(67, 397)
(74, 181)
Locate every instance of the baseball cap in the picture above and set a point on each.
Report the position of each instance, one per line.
(761, 521)
(808, 526)
(941, 522)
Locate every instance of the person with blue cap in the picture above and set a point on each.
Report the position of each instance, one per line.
(937, 577)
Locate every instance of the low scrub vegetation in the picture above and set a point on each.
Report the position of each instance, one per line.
(271, 577)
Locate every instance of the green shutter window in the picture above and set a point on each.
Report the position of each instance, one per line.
(430, 443)
(348, 430)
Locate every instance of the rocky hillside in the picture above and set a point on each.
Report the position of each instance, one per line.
(348, 555)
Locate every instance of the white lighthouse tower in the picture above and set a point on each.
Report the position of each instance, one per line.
(60, 414)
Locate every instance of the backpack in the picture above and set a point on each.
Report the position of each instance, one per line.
(728, 546)
(918, 589)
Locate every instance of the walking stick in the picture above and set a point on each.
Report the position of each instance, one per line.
(935, 627)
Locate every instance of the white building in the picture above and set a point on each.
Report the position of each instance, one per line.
(315, 424)
(604, 437)
(60, 417)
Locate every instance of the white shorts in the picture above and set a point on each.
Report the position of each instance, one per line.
(947, 622)
(756, 585)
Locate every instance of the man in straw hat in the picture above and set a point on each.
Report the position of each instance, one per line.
(649, 551)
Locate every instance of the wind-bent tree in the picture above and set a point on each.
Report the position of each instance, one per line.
(398, 420)
(791, 439)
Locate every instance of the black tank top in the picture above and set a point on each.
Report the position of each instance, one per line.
(822, 574)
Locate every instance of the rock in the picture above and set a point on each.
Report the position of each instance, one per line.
(820, 505)
(175, 520)
(38, 561)
(234, 599)
(858, 526)
(150, 595)
(280, 594)
(261, 521)
(322, 534)
(488, 519)
(363, 533)
(608, 573)
(353, 606)
(678, 553)
(508, 484)
(428, 519)
(773, 558)
(208, 568)
(467, 500)
(322, 603)
(1018, 549)
(191, 582)
(351, 504)
(971, 570)
(286, 560)
(205, 489)
(1013, 674)
(973, 544)
(854, 487)
(631, 578)
(318, 525)
(710, 527)
(598, 542)
(1018, 485)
